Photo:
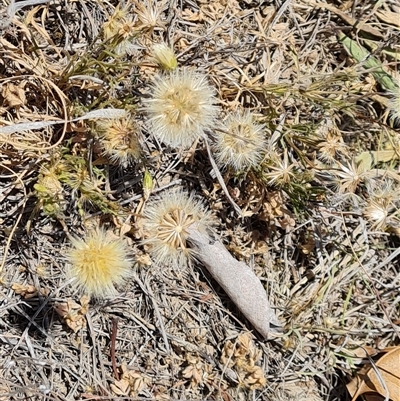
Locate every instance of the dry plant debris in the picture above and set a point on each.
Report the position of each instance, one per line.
(382, 378)
(108, 107)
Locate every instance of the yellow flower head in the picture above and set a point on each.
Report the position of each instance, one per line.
(98, 263)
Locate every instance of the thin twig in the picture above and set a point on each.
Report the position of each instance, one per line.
(114, 330)
(221, 180)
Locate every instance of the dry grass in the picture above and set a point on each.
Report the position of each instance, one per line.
(320, 224)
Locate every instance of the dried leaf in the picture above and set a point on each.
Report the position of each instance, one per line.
(255, 379)
(131, 383)
(241, 357)
(372, 158)
(143, 260)
(26, 291)
(91, 115)
(73, 314)
(14, 95)
(121, 387)
(389, 17)
(197, 371)
(359, 25)
(29, 291)
(388, 368)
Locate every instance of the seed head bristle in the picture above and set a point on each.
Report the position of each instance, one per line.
(383, 197)
(394, 105)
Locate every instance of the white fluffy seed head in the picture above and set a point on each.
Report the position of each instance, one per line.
(120, 139)
(376, 212)
(165, 224)
(241, 143)
(181, 107)
(383, 199)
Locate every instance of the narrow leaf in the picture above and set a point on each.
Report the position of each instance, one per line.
(363, 56)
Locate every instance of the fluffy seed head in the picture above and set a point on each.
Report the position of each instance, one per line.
(330, 142)
(241, 143)
(98, 263)
(110, 27)
(181, 107)
(377, 212)
(165, 225)
(349, 175)
(165, 56)
(119, 139)
(280, 171)
(150, 14)
(383, 199)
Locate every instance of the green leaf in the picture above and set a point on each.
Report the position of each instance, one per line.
(369, 62)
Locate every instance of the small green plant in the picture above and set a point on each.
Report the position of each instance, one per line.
(87, 185)
(71, 175)
(49, 189)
